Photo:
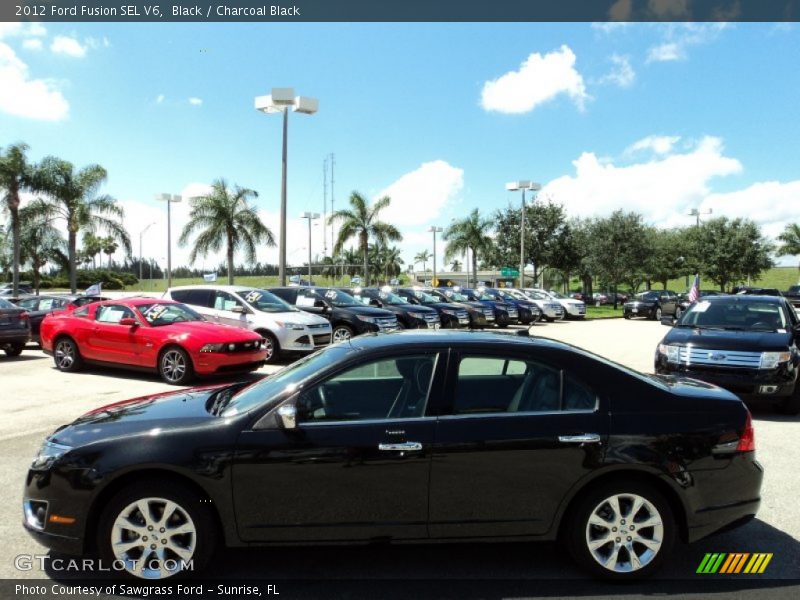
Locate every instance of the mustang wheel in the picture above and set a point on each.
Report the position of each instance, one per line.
(156, 530)
(622, 531)
(175, 366)
(342, 333)
(66, 355)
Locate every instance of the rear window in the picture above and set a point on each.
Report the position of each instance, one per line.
(197, 297)
(6, 304)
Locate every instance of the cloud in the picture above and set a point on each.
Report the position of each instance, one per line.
(679, 37)
(69, 46)
(25, 97)
(539, 79)
(32, 44)
(8, 30)
(196, 101)
(420, 195)
(622, 73)
(663, 189)
(659, 144)
(160, 98)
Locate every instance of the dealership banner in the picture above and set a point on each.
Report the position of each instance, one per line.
(403, 10)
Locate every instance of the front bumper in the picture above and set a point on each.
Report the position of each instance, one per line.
(208, 363)
(574, 310)
(305, 340)
(639, 310)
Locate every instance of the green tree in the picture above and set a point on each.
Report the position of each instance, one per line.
(109, 246)
(73, 196)
(225, 216)
(362, 222)
(422, 257)
(40, 243)
(455, 265)
(665, 258)
(790, 241)
(6, 252)
(731, 250)
(392, 262)
(16, 175)
(568, 252)
(470, 233)
(91, 246)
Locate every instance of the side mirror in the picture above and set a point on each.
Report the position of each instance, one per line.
(287, 416)
(129, 322)
(668, 321)
(238, 309)
(320, 304)
(374, 302)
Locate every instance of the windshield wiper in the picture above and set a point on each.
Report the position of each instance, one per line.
(733, 328)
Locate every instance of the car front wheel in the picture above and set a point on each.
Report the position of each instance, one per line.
(342, 333)
(175, 366)
(678, 312)
(622, 531)
(657, 314)
(155, 530)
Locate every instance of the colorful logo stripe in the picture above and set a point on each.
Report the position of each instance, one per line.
(735, 562)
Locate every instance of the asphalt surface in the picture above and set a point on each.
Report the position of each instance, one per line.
(35, 398)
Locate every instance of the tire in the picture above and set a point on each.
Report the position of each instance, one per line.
(618, 556)
(175, 366)
(66, 355)
(626, 315)
(549, 319)
(678, 313)
(657, 314)
(272, 346)
(14, 349)
(155, 496)
(341, 333)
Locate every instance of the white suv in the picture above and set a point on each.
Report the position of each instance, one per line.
(284, 327)
(574, 309)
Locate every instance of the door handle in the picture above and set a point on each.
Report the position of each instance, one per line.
(401, 447)
(582, 438)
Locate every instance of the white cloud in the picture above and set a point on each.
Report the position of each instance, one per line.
(69, 46)
(8, 30)
(539, 79)
(666, 52)
(659, 144)
(678, 37)
(663, 190)
(196, 101)
(25, 97)
(32, 44)
(622, 73)
(160, 99)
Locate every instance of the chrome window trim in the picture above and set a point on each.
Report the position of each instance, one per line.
(526, 413)
(304, 424)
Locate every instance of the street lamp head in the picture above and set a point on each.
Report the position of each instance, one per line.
(515, 186)
(168, 198)
(282, 99)
(305, 105)
(435, 229)
(309, 215)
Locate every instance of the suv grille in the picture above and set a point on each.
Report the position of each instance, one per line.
(322, 339)
(719, 358)
(386, 323)
(319, 326)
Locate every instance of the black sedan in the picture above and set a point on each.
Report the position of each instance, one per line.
(408, 437)
(15, 328)
(39, 307)
(747, 344)
(653, 305)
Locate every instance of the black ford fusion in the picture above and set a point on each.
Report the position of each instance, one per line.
(747, 344)
(653, 304)
(412, 436)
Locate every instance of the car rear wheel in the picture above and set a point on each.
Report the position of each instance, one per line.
(14, 349)
(657, 314)
(66, 355)
(175, 366)
(271, 345)
(156, 530)
(678, 312)
(622, 531)
(342, 333)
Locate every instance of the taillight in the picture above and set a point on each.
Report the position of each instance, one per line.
(747, 440)
(23, 316)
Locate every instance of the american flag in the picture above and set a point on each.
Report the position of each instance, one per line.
(694, 293)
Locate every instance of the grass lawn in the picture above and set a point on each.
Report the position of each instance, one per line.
(606, 311)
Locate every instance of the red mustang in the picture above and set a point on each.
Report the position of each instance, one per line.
(149, 334)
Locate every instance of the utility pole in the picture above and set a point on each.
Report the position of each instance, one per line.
(325, 206)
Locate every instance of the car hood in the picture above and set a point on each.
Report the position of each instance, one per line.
(139, 415)
(210, 332)
(300, 316)
(369, 311)
(754, 341)
(568, 301)
(445, 305)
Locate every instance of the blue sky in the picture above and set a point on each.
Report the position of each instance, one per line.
(658, 118)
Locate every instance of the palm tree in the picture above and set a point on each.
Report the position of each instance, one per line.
(351, 259)
(393, 264)
(40, 243)
(361, 221)
(470, 233)
(423, 257)
(790, 241)
(15, 176)
(109, 246)
(455, 265)
(91, 246)
(72, 196)
(224, 215)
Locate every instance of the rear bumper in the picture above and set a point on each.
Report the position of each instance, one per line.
(19, 336)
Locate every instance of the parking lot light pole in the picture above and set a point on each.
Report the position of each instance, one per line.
(170, 199)
(281, 100)
(433, 229)
(515, 186)
(310, 216)
(697, 214)
(141, 233)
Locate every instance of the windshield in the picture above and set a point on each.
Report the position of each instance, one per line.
(735, 316)
(517, 295)
(647, 296)
(425, 298)
(391, 298)
(6, 304)
(287, 379)
(456, 296)
(266, 301)
(338, 298)
(558, 296)
(538, 296)
(166, 314)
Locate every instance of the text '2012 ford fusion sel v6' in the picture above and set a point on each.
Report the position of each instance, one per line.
(408, 437)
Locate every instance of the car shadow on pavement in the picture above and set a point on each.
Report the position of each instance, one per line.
(491, 570)
(127, 374)
(21, 358)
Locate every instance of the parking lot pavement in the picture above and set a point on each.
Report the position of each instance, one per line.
(36, 398)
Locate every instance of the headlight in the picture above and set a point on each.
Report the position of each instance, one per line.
(289, 325)
(448, 311)
(770, 360)
(414, 315)
(48, 454)
(366, 319)
(671, 352)
(212, 348)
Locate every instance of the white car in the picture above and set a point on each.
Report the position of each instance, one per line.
(574, 309)
(551, 308)
(284, 327)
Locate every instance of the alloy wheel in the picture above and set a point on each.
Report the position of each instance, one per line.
(658, 314)
(173, 365)
(65, 354)
(153, 538)
(341, 334)
(624, 533)
(269, 347)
